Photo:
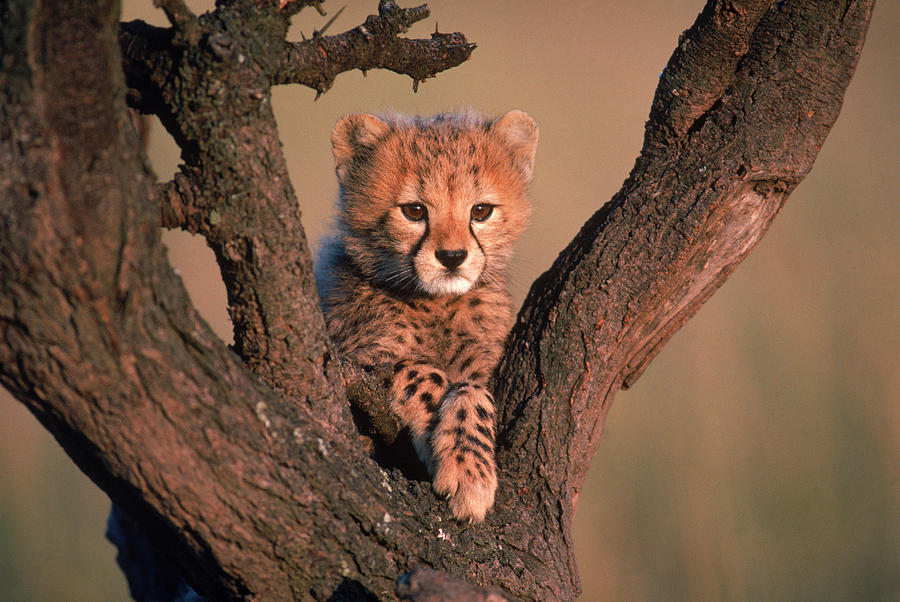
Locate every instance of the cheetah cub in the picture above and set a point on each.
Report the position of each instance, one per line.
(416, 275)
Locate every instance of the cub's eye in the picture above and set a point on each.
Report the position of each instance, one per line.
(414, 212)
(482, 211)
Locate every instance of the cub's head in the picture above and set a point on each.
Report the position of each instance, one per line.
(433, 204)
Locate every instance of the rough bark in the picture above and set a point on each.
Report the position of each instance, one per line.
(244, 466)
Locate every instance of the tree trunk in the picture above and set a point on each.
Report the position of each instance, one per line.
(244, 467)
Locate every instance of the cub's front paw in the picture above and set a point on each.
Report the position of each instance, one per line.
(469, 487)
(463, 447)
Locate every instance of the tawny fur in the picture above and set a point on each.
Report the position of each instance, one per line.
(391, 295)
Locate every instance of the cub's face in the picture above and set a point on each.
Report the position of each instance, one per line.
(433, 205)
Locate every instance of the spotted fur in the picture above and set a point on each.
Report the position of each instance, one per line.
(415, 275)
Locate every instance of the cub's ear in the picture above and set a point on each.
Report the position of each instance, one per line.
(520, 133)
(353, 134)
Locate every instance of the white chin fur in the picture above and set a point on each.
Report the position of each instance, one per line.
(447, 285)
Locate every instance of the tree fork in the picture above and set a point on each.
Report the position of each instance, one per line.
(247, 470)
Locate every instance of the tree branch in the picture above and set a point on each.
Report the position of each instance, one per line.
(373, 45)
(243, 203)
(709, 181)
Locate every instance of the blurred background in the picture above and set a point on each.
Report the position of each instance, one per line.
(756, 459)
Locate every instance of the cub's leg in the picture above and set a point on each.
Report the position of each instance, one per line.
(416, 393)
(463, 444)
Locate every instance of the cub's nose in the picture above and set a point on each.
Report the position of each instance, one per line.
(451, 259)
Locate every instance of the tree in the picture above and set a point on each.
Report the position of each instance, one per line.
(240, 464)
